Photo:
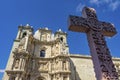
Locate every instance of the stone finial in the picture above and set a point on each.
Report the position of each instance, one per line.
(59, 30)
(27, 25)
(46, 28)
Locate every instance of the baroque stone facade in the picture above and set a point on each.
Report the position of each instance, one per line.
(45, 56)
(39, 56)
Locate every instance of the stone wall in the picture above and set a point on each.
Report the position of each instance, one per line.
(82, 67)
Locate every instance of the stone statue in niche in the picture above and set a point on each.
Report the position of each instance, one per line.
(57, 49)
(17, 63)
(64, 65)
(41, 66)
(46, 66)
(57, 65)
(52, 66)
(53, 51)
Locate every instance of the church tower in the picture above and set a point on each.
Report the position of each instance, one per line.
(40, 56)
(16, 66)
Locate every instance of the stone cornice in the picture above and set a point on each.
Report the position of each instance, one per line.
(14, 71)
(89, 57)
(17, 40)
(44, 30)
(79, 56)
(62, 33)
(53, 57)
(26, 27)
(47, 42)
(58, 72)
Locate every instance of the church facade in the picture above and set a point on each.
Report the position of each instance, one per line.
(44, 55)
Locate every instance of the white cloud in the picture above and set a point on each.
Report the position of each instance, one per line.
(97, 2)
(111, 4)
(2, 70)
(107, 1)
(80, 7)
(114, 5)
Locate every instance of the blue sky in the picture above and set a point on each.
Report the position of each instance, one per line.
(54, 14)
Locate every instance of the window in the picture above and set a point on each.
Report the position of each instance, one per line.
(61, 39)
(42, 53)
(24, 34)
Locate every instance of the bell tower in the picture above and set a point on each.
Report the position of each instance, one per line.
(24, 31)
(62, 36)
(16, 66)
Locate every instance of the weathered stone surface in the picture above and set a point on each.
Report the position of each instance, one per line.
(26, 63)
(96, 30)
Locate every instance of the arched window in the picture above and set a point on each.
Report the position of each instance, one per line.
(42, 53)
(61, 39)
(24, 34)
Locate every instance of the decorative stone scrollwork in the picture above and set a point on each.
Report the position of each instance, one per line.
(78, 21)
(96, 30)
(89, 13)
(105, 27)
(43, 66)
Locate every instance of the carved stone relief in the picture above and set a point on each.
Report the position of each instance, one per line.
(96, 28)
(104, 55)
(64, 65)
(43, 66)
(17, 63)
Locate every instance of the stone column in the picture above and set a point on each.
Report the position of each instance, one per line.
(61, 65)
(67, 65)
(20, 63)
(23, 64)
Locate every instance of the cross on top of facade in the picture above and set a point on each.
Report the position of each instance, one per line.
(89, 21)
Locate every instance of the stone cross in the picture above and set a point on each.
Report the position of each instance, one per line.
(96, 30)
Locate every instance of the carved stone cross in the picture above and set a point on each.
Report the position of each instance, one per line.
(96, 30)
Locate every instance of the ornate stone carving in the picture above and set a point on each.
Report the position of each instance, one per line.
(64, 65)
(17, 63)
(96, 30)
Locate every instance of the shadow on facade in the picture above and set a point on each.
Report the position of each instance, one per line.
(74, 73)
